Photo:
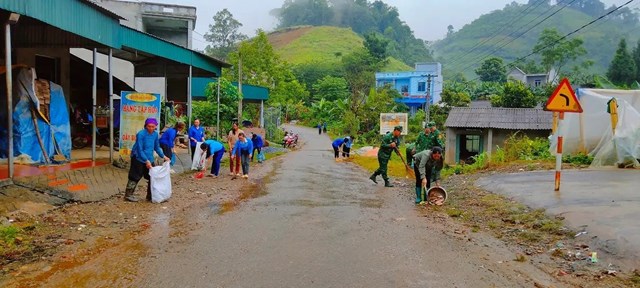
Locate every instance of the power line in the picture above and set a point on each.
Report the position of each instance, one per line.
(535, 51)
(522, 14)
(514, 39)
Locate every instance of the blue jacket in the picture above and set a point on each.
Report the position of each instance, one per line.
(240, 147)
(214, 146)
(145, 145)
(195, 133)
(168, 138)
(257, 142)
(338, 142)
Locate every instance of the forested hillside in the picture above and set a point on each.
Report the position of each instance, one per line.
(511, 33)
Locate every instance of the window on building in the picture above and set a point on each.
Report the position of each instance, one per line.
(404, 89)
(422, 86)
(537, 83)
(473, 143)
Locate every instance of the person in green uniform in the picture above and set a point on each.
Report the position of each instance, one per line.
(434, 136)
(428, 164)
(424, 141)
(390, 143)
(408, 152)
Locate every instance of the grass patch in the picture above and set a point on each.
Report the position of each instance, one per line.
(8, 235)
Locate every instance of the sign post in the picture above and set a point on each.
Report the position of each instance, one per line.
(562, 100)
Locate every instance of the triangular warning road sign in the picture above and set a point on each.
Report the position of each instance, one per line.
(563, 99)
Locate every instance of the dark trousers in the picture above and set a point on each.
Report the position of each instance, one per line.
(319, 131)
(168, 151)
(345, 152)
(418, 176)
(215, 164)
(244, 158)
(137, 171)
(193, 152)
(254, 152)
(336, 152)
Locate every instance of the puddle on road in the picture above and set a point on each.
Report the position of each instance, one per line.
(107, 264)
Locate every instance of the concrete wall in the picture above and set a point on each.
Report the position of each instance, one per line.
(498, 138)
(131, 11)
(27, 56)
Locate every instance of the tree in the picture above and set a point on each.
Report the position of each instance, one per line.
(492, 70)
(207, 110)
(452, 98)
(515, 95)
(622, 70)
(331, 88)
(377, 46)
(557, 53)
(636, 58)
(223, 34)
(450, 30)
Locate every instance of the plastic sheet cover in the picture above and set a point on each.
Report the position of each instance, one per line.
(25, 141)
(591, 131)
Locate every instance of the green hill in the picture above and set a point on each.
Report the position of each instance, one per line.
(600, 39)
(324, 44)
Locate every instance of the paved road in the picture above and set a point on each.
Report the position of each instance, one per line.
(324, 224)
(605, 203)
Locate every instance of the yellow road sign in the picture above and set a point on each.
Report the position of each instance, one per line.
(563, 99)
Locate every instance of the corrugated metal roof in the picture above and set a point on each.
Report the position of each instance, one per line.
(80, 17)
(500, 118)
(250, 92)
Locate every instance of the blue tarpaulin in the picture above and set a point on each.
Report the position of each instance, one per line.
(55, 132)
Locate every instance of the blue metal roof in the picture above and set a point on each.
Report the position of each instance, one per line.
(93, 22)
(80, 17)
(250, 92)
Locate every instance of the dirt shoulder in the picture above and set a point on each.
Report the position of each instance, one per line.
(535, 237)
(69, 236)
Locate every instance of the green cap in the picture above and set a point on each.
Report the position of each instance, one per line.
(399, 128)
(431, 124)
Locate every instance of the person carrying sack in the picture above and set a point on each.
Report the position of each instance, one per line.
(142, 158)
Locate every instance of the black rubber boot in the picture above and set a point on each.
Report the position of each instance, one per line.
(129, 192)
(373, 178)
(149, 192)
(387, 183)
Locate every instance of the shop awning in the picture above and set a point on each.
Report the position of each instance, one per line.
(251, 93)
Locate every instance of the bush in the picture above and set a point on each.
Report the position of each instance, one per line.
(578, 159)
(523, 148)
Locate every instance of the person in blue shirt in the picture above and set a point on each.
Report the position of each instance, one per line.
(215, 150)
(257, 142)
(168, 139)
(242, 149)
(346, 148)
(196, 134)
(337, 145)
(142, 158)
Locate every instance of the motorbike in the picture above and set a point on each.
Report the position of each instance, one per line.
(83, 138)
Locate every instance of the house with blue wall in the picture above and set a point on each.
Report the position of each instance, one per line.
(417, 88)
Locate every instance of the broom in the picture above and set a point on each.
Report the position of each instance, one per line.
(410, 171)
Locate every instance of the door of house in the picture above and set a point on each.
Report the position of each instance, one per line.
(468, 145)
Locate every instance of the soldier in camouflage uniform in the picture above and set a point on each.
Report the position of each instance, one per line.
(424, 141)
(390, 143)
(434, 136)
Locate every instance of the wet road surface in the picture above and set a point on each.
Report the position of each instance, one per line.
(604, 203)
(321, 223)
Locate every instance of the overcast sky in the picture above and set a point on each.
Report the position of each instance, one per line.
(427, 18)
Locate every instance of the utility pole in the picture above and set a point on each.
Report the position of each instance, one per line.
(239, 89)
(428, 97)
